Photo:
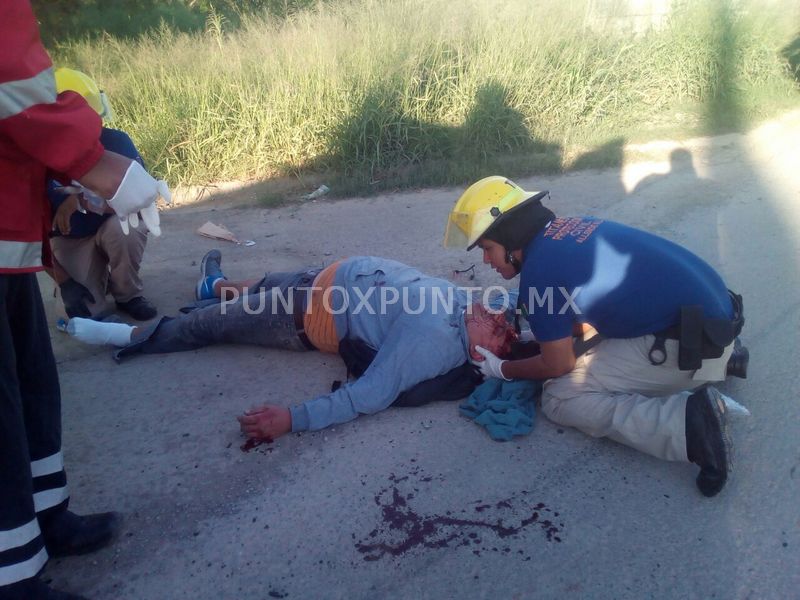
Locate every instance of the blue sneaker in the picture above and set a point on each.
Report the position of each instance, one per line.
(210, 273)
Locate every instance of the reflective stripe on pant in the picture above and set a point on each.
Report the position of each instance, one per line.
(616, 392)
(32, 478)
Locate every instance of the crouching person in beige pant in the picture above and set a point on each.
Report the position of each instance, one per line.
(665, 323)
(93, 256)
(106, 262)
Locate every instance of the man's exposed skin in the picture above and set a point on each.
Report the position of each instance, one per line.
(105, 177)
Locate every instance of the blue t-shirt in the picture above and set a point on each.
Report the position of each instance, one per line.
(623, 281)
(84, 225)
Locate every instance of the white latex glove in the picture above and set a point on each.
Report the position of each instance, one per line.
(490, 366)
(139, 192)
(526, 335)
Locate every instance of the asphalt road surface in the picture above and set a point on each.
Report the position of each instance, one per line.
(421, 503)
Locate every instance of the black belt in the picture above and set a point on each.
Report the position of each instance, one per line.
(299, 308)
(691, 356)
(673, 332)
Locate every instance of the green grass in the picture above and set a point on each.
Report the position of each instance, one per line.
(374, 95)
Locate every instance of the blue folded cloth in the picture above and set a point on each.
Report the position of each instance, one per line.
(504, 408)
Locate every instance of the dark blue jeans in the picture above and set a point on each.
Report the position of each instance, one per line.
(263, 317)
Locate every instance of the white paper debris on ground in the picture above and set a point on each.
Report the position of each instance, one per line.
(320, 191)
(733, 406)
(217, 232)
(249, 243)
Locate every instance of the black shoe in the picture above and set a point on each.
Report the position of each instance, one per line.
(139, 308)
(66, 533)
(34, 589)
(737, 363)
(707, 441)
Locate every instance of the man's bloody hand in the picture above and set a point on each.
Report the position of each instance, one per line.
(266, 422)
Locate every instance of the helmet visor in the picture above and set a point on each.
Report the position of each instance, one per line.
(464, 228)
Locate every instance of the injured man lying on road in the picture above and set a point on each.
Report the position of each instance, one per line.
(409, 336)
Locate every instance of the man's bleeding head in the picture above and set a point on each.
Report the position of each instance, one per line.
(488, 329)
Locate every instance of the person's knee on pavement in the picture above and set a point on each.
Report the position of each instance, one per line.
(564, 411)
(550, 405)
(557, 410)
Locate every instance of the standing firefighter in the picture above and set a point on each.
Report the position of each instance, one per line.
(665, 323)
(40, 131)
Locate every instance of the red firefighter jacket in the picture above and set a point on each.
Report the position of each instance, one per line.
(39, 131)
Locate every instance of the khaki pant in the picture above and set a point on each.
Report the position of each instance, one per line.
(105, 263)
(615, 392)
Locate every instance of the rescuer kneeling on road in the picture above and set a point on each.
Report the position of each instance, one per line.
(665, 325)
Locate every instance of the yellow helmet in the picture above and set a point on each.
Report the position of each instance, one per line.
(70, 79)
(480, 207)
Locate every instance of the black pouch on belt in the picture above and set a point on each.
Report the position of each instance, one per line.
(690, 338)
(700, 338)
(717, 335)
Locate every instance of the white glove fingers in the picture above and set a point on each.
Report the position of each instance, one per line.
(139, 191)
(151, 219)
(491, 366)
(163, 190)
(123, 222)
(133, 219)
